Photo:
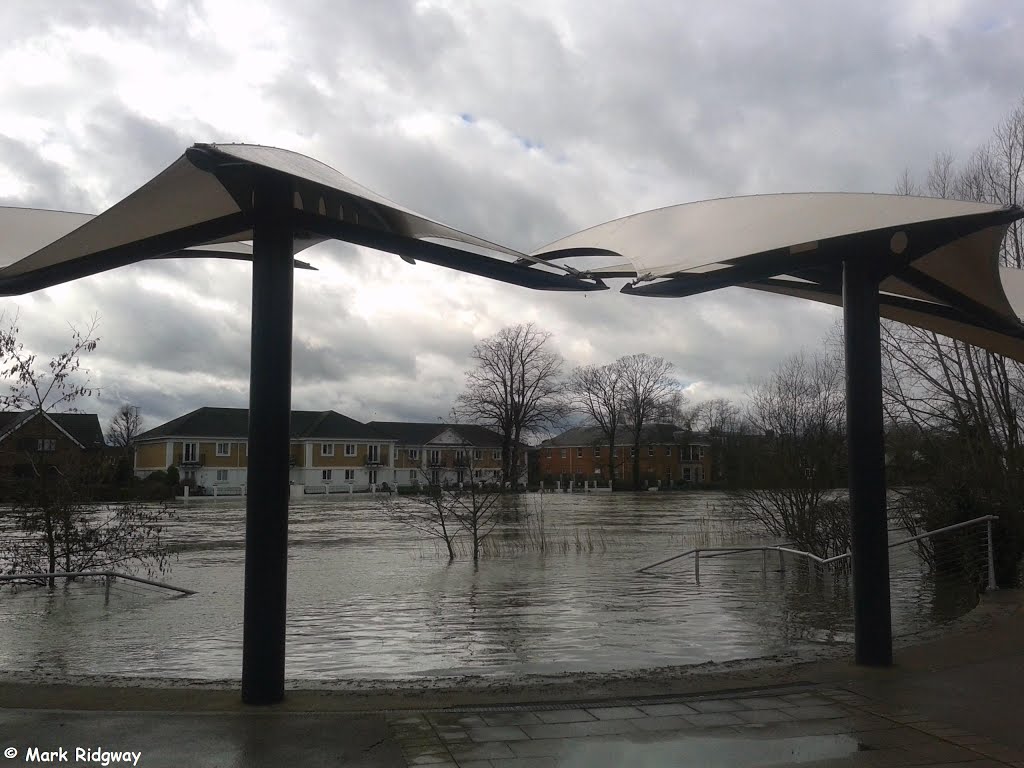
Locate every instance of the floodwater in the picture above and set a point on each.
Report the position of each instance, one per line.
(369, 598)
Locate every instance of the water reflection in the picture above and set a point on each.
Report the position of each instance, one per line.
(367, 598)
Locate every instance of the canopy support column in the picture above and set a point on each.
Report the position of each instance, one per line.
(266, 518)
(866, 447)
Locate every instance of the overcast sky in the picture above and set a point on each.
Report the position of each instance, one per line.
(519, 121)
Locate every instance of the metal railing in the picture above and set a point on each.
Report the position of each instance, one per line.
(784, 549)
(109, 575)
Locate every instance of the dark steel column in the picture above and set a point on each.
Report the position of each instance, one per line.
(866, 443)
(270, 395)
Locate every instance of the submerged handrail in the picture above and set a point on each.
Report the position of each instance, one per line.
(828, 561)
(107, 574)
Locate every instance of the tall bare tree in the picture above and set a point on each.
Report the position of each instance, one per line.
(125, 426)
(515, 388)
(965, 405)
(597, 393)
(650, 394)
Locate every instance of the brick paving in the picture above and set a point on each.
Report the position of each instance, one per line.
(814, 726)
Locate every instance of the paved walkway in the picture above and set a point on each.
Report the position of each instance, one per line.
(951, 701)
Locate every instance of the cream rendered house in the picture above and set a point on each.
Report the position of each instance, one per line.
(328, 452)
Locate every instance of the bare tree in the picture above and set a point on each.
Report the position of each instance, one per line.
(720, 421)
(443, 511)
(956, 408)
(515, 388)
(597, 393)
(32, 389)
(125, 426)
(650, 394)
(798, 414)
(429, 512)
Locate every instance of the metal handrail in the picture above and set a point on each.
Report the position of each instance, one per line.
(828, 561)
(107, 574)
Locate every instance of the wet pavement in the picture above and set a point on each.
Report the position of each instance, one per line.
(811, 726)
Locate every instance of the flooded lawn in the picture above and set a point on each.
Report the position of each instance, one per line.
(368, 598)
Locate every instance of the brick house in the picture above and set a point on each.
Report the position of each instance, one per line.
(35, 441)
(668, 456)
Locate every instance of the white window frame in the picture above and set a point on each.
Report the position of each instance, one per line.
(496, 454)
(564, 453)
(414, 454)
(668, 450)
(326, 449)
(326, 475)
(350, 475)
(478, 455)
(185, 452)
(222, 476)
(373, 453)
(371, 477)
(226, 451)
(413, 475)
(579, 453)
(350, 449)
(434, 456)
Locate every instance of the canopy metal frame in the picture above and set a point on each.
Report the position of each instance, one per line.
(866, 251)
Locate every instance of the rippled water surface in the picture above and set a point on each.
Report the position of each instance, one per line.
(370, 598)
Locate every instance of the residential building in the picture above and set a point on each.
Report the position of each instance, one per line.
(445, 454)
(35, 441)
(209, 446)
(668, 456)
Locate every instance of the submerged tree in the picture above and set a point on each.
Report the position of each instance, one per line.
(57, 528)
(798, 416)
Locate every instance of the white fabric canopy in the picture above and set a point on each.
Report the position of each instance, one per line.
(201, 205)
(941, 257)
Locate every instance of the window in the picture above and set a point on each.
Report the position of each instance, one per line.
(632, 451)
(46, 445)
(414, 454)
(650, 450)
(686, 474)
(373, 476)
(412, 475)
(433, 457)
(564, 453)
(223, 449)
(551, 452)
(579, 453)
(222, 475)
(326, 475)
(350, 475)
(477, 454)
(373, 455)
(478, 473)
(597, 451)
(327, 449)
(496, 454)
(350, 449)
(668, 450)
(191, 453)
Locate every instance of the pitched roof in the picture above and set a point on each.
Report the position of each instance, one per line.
(657, 434)
(422, 432)
(83, 428)
(234, 423)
